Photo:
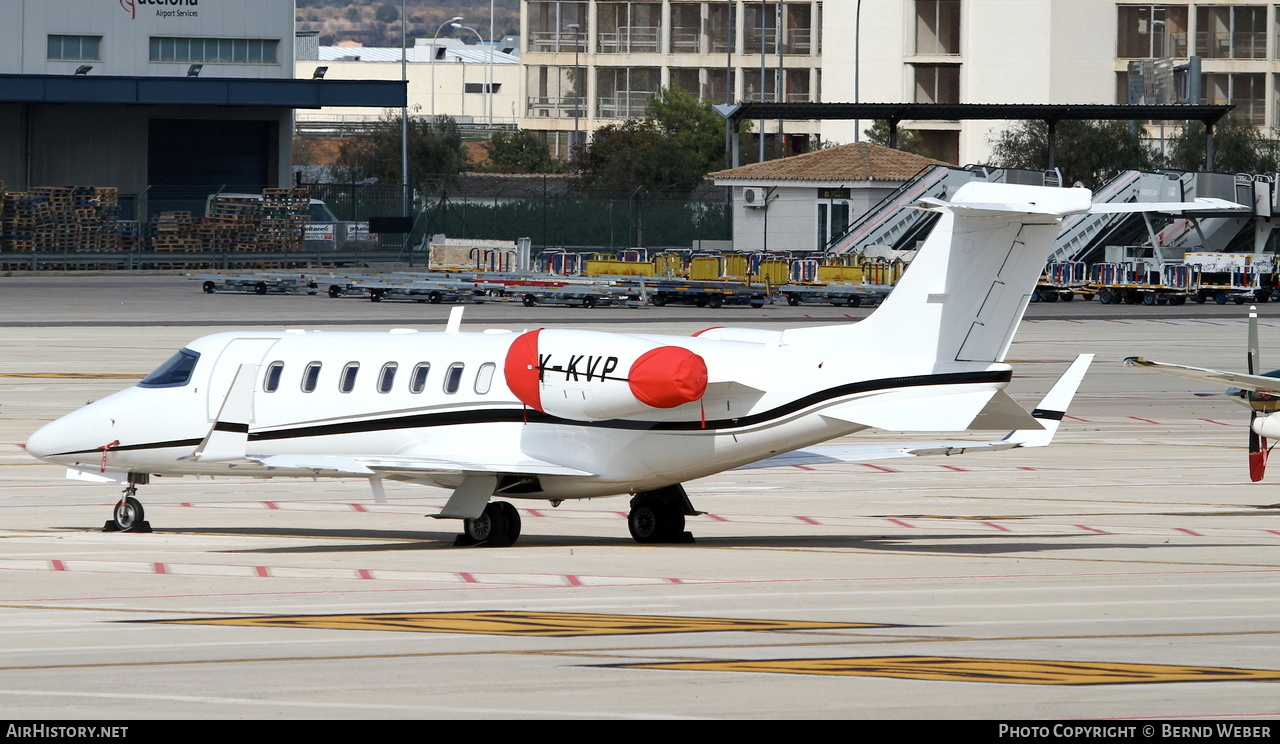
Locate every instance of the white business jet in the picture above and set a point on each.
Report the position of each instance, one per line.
(571, 414)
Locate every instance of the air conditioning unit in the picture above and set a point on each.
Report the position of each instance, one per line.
(755, 197)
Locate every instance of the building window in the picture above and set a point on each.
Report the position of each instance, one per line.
(214, 51)
(720, 31)
(759, 31)
(628, 28)
(798, 30)
(937, 83)
(552, 92)
(833, 217)
(686, 29)
(547, 26)
(623, 92)
(75, 47)
(1230, 32)
(1243, 90)
(1151, 31)
(937, 26)
(481, 87)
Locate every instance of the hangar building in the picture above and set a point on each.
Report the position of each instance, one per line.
(167, 100)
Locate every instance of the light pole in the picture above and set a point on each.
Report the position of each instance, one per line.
(454, 22)
(577, 85)
(404, 114)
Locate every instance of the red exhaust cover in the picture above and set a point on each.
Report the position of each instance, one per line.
(667, 377)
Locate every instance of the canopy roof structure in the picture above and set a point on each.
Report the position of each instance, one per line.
(1049, 113)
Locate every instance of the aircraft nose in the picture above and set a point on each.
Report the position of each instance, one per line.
(73, 433)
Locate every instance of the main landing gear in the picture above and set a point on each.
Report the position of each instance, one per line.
(658, 516)
(497, 527)
(127, 515)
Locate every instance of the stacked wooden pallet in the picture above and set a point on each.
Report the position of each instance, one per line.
(25, 217)
(232, 224)
(175, 231)
(285, 213)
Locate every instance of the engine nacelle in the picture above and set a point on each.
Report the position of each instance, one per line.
(1268, 426)
(592, 376)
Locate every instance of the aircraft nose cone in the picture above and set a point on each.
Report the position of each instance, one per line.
(76, 432)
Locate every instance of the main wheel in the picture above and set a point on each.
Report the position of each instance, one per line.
(715, 301)
(127, 514)
(335, 291)
(260, 288)
(655, 520)
(793, 300)
(854, 301)
(529, 300)
(659, 300)
(494, 526)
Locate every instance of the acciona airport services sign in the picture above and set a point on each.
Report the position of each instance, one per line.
(164, 8)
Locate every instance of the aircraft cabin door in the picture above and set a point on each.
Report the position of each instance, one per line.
(239, 351)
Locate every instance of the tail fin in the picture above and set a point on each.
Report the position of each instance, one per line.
(968, 286)
(967, 289)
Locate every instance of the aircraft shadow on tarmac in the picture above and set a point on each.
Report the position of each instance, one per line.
(959, 544)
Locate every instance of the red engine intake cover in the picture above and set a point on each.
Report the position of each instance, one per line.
(521, 370)
(668, 376)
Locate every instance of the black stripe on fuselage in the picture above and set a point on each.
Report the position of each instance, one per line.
(521, 415)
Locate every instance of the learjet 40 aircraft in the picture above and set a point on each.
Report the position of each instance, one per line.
(555, 414)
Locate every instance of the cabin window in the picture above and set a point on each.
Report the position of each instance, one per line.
(310, 376)
(484, 378)
(453, 378)
(271, 382)
(387, 377)
(174, 373)
(418, 381)
(347, 381)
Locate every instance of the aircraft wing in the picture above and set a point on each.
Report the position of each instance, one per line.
(364, 465)
(1255, 383)
(1049, 414)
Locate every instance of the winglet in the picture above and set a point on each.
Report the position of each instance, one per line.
(229, 435)
(1054, 406)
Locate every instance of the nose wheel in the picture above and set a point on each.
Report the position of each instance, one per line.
(127, 515)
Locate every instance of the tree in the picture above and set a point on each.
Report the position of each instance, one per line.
(434, 149)
(387, 13)
(520, 151)
(1238, 147)
(908, 140)
(1086, 151)
(670, 150)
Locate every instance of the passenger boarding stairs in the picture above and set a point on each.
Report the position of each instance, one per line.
(1092, 237)
(892, 224)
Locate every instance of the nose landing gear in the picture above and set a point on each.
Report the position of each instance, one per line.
(127, 515)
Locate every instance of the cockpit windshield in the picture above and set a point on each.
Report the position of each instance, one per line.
(174, 373)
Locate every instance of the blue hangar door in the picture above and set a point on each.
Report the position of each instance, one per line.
(188, 159)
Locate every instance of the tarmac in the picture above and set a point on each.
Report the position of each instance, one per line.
(1129, 572)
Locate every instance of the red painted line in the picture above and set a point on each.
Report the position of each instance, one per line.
(953, 467)
(716, 517)
(271, 505)
(1189, 532)
(59, 566)
(263, 572)
(877, 467)
(1113, 320)
(1149, 421)
(673, 581)
(160, 568)
(1093, 529)
(573, 580)
(806, 520)
(1273, 531)
(1025, 467)
(1219, 423)
(1166, 322)
(1076, 418)
(802, 467)
(1207, 322)
(185, 503)
(364, 573)
(901, 523)
(359, 507)
(534, 513)
(468, 578)
(997, 526)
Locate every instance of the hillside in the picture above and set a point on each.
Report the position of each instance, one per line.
(378, 23)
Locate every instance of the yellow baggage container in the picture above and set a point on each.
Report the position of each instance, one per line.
(613, 267)
(704, 268)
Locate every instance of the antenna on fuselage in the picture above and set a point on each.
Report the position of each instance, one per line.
(455, 319)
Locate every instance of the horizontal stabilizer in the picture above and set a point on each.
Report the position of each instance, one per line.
(1254, 383)
(1048, 414)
